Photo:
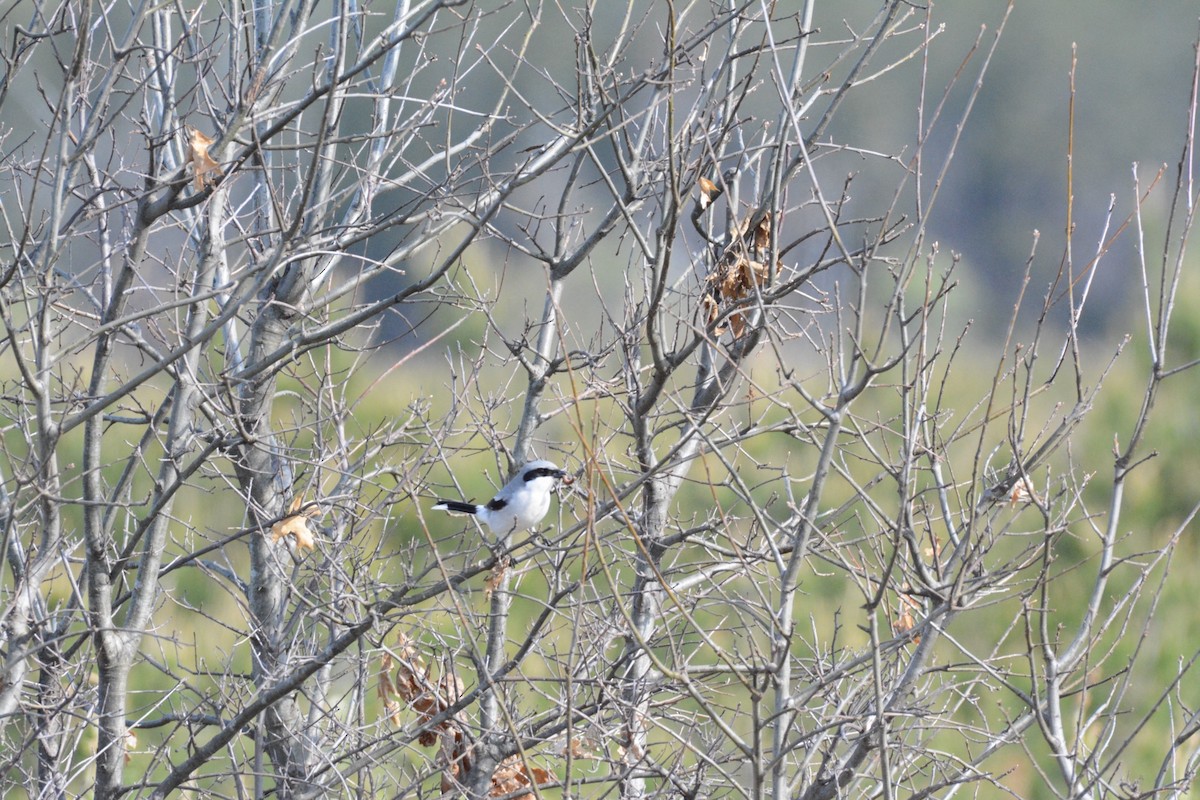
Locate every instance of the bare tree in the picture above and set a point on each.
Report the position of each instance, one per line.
(820, 542)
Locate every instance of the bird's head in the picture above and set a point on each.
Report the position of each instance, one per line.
(544, 471)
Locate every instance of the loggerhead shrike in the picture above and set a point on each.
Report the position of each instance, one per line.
(520, 505)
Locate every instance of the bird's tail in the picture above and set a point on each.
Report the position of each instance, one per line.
(455, 505)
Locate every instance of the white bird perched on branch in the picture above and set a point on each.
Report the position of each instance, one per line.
(520, 505)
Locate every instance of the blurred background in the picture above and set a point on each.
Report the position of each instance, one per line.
(1009, 178)
(1132, 80)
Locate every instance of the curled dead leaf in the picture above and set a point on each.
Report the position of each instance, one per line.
(408, 678)
(712, 309)
(762, 233)
(411, 672)
(296, 525)
(387, 690)
(496, 577)
(514, 775)
(736, 278)
(205, 170)
(933, 550)
(905, 622)
(410, 684)
(1022, 492)
(581, 747)
(709, 192)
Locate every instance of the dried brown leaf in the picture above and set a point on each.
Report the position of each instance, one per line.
(581, 747)
(762, 233)
(131, 741)
(734, 280)
(496, 577)
(411, 674)
(933, 550)
(205, 171)
(387, 690)
(1022, 492)
(905, 622)
(296, 525)
(410, 684)
(514, 775)
(709, 192)
(737, 325)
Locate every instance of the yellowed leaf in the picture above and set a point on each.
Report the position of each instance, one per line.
(205, 171)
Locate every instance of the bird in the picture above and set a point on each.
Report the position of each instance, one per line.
(520, 505)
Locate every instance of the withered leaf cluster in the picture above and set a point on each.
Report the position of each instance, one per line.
(741, 269)
(404, 681)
